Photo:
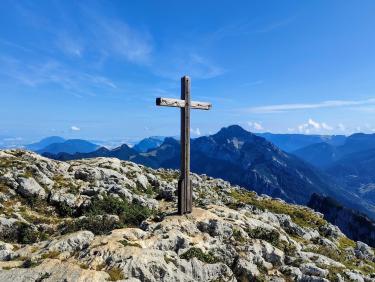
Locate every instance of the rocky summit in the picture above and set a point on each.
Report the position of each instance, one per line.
(104, 219)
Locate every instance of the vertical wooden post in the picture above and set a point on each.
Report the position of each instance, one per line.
(184, 185)
(185, 191)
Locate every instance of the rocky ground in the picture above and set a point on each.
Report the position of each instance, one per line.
(106, 220)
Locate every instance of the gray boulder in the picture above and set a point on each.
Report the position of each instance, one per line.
(313, 270)
(245, 270)
(28, 187)
(6, 251)
(142, 181)
(363, 251)
(72, 242)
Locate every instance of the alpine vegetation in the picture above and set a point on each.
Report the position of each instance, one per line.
(103, 219)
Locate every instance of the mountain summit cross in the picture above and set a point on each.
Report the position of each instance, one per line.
(185, 191)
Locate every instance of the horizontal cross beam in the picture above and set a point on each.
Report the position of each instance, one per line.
(169, 102)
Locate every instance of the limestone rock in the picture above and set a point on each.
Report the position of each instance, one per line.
(312, 270)
(363, 251)
(28, 187)
(53, 270)
(142, 181)
(6, 251)
(231, 235)
(72, 242)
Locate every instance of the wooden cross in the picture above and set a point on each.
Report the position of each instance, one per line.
(185, 192)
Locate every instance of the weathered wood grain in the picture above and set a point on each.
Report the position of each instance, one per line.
(185, 191)
(170, 102)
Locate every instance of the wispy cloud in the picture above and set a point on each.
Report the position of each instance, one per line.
(275, 25)
(53, 72)
(98, 38)
(69, 45)
(119, 38)
(193, 64)
(75, 128)
(249, 27)
(294, 107)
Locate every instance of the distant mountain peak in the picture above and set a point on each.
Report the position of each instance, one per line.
(122, 148)
(234, 130)
(149, 143)
(45, 142)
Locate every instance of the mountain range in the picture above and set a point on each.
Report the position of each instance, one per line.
(245, 159)
(350, 164)
(324, 154)
(56, 144)
(293, 142)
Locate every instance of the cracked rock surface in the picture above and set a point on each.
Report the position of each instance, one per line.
(108, 220)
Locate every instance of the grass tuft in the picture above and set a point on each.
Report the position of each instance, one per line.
(299, 215)
(199, 254)
(115, 274)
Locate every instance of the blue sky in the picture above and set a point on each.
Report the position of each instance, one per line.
(85, 69)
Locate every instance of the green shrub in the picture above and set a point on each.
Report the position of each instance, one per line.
(63, 209)
(271, 236)
(98, 225)
(130, 214)
(27, 234)
(29, 263)
(199, 254)
(35, 203)
(237, 236)
(22, 233)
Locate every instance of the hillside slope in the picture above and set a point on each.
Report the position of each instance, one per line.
(250, 161)
(351, 165)
(321, 155)
(244, 159)
(354, 224)
(105, 219)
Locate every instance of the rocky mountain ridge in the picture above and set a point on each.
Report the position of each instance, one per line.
(354, 224)
(236, 155)
(104, 219)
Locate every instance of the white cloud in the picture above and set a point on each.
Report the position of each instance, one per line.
(293, 107)
(75, 128)
(311, 126)
(326, 126)
(253, 125)
(195, 131)
(176, 63)
(341, 127)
